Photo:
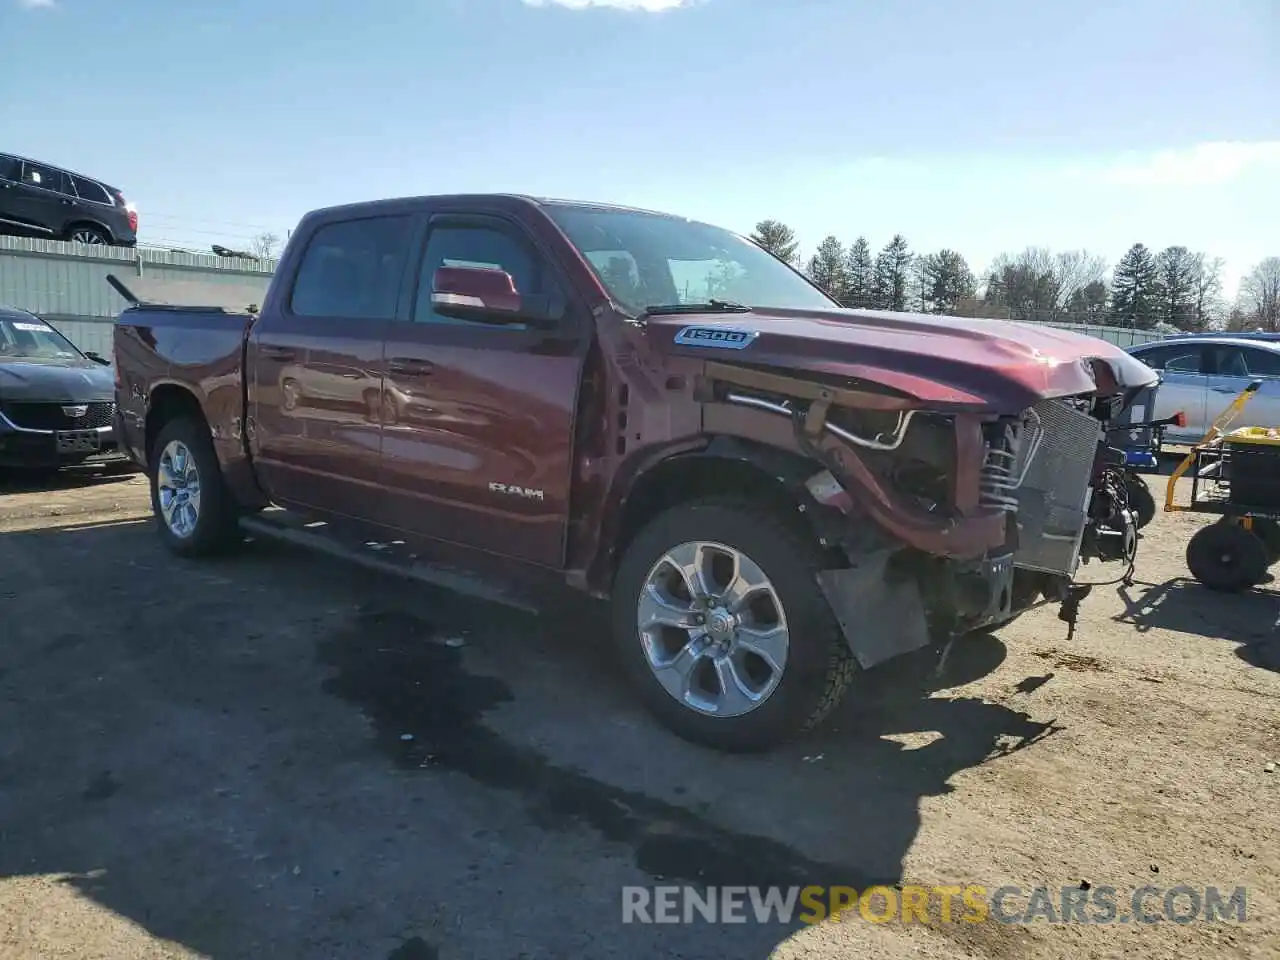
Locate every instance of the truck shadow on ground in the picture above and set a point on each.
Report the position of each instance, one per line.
(141, 837)
(1251, 620)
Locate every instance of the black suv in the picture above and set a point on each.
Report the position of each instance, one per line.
(39, 200)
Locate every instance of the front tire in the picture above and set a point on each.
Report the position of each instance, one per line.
(192, 507)
(723, 630)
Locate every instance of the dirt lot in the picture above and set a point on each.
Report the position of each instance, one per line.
(281, 755)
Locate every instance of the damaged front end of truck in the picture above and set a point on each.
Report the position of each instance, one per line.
(945, 520)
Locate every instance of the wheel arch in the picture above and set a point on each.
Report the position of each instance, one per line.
(727, 466)
(71, 225)
(167, 402)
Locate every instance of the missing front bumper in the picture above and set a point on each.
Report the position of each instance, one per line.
(885, 612)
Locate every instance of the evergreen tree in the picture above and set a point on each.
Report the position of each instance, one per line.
(779, 239)
(1177, 287)
(826, 268)
(860, 275)
(947, 280)
(893, 266)
(1135, 289)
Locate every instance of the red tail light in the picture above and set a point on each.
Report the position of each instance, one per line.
(130, 210)
(1179, 419)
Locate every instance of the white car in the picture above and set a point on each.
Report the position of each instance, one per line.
(1201, 375)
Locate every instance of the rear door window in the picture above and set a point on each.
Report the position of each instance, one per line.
(353, 269)
(1262, 363)
(10, 168)
(90, 190)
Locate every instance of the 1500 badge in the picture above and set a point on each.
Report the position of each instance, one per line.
(726, 338)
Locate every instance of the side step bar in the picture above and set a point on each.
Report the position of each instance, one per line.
(390, 557)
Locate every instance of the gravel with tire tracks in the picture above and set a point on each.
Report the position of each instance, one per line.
(275, 754)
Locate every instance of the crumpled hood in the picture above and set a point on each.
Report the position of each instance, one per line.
(80, 381)
(950, 361)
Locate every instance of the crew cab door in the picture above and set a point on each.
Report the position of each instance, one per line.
(477, 443)
(315, 365)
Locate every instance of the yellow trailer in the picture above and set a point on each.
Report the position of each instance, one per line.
(1234, 474)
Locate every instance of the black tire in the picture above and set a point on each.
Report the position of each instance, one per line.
(216, 525)
(88, 234)
(1268, 531)
(818, 668)
(1141, 500)
(1225, 556)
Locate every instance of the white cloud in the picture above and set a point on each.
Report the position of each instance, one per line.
(647, 6)
(37, 4)
(1204, 164)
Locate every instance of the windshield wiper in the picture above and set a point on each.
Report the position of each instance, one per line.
(706, 306)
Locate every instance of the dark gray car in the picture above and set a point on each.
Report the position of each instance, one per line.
(57, 403)
(41, 200)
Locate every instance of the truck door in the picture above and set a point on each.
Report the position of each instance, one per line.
(477, 447)
(316, 367)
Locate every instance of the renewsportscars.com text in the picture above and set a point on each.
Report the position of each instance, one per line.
(1098, 904)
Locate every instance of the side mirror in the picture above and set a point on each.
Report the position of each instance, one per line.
(488, 295)
(97, 358)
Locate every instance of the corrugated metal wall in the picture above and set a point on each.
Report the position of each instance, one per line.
(67, 283)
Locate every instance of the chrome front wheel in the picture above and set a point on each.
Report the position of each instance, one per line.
(713, 628)
(178, 489)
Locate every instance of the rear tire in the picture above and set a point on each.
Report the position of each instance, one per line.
(193, 509)
(1225, 556)
(87, 234)
(787, 617)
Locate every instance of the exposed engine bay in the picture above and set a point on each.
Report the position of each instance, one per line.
(977, 518)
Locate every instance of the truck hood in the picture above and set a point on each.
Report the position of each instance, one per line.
(946, 362)
(80, 381)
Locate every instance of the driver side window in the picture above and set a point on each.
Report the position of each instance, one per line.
(1175, 358)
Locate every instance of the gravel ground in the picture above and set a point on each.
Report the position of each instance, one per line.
(277, 754)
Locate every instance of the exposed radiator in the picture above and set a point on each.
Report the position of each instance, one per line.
(1053, 497)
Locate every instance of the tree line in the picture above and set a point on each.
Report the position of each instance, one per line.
(1175, 288)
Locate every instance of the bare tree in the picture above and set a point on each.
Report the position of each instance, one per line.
(1076, 270)
(1260, 294)
(1025, 285)
(1208, 291)
(264, 245)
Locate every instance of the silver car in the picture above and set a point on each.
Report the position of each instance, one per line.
(1201, 375)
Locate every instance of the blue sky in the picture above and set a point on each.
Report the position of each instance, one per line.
(985, 125)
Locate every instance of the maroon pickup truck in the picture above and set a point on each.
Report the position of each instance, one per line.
(501, 393)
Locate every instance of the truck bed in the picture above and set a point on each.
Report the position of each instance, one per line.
(210, 340)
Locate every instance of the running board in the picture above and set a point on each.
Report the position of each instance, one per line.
(392, 557)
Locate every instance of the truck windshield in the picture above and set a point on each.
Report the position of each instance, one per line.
(32, 339)
(649, 260)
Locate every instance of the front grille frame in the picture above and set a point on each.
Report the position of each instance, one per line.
(46, 416)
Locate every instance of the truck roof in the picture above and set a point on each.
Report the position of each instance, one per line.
(484, 199)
